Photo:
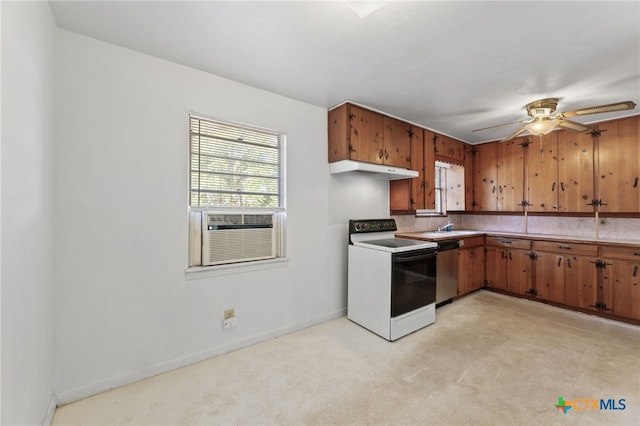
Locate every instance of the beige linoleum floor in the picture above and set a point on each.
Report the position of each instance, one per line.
(488, 360)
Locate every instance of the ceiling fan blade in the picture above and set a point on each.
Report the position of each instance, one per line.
(514, 134)
(573, 126)
(501, 125)
(620, 106)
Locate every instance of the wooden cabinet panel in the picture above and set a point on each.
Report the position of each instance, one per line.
(575, 172)
(549, 277)
(581, 282)
(486, 177)
(628, 253)
(449, 149)
(469, 177)
(355, 134)
(518, 271)
(495, 270)
(514, 243)
(408, 195)
(397, 143)
(621, 288)
(542, 174)
(566, 248)
(510, 191)
(471, 266)
(429, 171)
(619, 165)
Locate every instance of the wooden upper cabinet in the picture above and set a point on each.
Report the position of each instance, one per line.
(575, 172)
(486, 177)
(510, 190)
(407, 195)
(449, 149)
(355, 134)
(396, 150)
(542, 173)
(358, 134)
(618, 176)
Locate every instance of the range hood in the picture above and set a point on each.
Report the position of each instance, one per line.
(376, 170)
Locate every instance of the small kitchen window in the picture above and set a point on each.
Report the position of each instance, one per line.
(448, 189)
(236, 193)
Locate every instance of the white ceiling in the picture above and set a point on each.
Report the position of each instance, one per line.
(450, 66)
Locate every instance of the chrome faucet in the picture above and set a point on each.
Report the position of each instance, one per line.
(445, 227)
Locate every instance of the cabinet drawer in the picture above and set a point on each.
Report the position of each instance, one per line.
(472, 242)
(509, 242)
(569, 248)
(629, 253)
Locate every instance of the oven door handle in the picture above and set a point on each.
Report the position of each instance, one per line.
(399, 258)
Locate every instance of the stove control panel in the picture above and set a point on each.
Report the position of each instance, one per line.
(372, 225)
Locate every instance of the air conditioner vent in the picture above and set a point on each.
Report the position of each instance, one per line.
(231, 238)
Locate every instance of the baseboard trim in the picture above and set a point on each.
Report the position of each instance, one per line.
(80, 392)
(51, 410)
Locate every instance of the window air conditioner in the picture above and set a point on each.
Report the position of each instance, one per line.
(232, 238)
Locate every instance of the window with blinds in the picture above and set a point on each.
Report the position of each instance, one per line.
(234, 166)
(235, 175)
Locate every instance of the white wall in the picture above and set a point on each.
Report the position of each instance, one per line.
(28, 35)
(124, 309)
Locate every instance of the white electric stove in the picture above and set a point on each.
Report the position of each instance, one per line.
(391, 281)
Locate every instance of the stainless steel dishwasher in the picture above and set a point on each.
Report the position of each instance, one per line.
(447, 271)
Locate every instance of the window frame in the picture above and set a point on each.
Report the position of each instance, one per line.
(195, 268)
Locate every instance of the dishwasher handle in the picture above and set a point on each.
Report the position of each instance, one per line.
(448, 245)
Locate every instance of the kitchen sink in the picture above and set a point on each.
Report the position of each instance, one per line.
(441, 235)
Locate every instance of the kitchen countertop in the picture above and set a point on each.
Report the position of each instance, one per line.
(469, 233)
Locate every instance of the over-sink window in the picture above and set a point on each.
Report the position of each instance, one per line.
(449, 187)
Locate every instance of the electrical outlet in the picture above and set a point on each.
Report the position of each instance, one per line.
(229, 313)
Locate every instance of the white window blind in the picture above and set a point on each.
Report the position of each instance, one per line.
(234, 166)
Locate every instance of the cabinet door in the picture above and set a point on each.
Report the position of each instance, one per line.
(417, 163)
(575, 172)
(397, 143)
(366, 135)
(518, 271)
(580, 282)
(549, 281)
(621, 288)
(486, 177)
(496, 270)
(407, 195)
(510, 175)
(429, 170)
(542, 173)
(470, 270)
(447, 148)
(619, 165)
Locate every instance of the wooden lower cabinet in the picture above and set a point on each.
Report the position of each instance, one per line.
(567, 273)
(471, 261)
(620, 288)
(508, 264)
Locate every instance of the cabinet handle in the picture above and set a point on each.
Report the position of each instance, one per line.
(510, 258)
(500, 189)
(636, 254)
(493, 190)
(386, 155)
(506, 241)
(559, 261)
(562, 186)
(635, 270)
(381, 154)
(553, 187)
(564, 247)
(502, 254)
(569, 263)
(635, 182)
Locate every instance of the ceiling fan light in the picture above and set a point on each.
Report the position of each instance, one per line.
(541, 127)
(540, 112)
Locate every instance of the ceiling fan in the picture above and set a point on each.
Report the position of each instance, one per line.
(542, 122)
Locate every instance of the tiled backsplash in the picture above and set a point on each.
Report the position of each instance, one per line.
(610, 228)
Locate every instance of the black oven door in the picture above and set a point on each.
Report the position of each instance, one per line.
(413, 281)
